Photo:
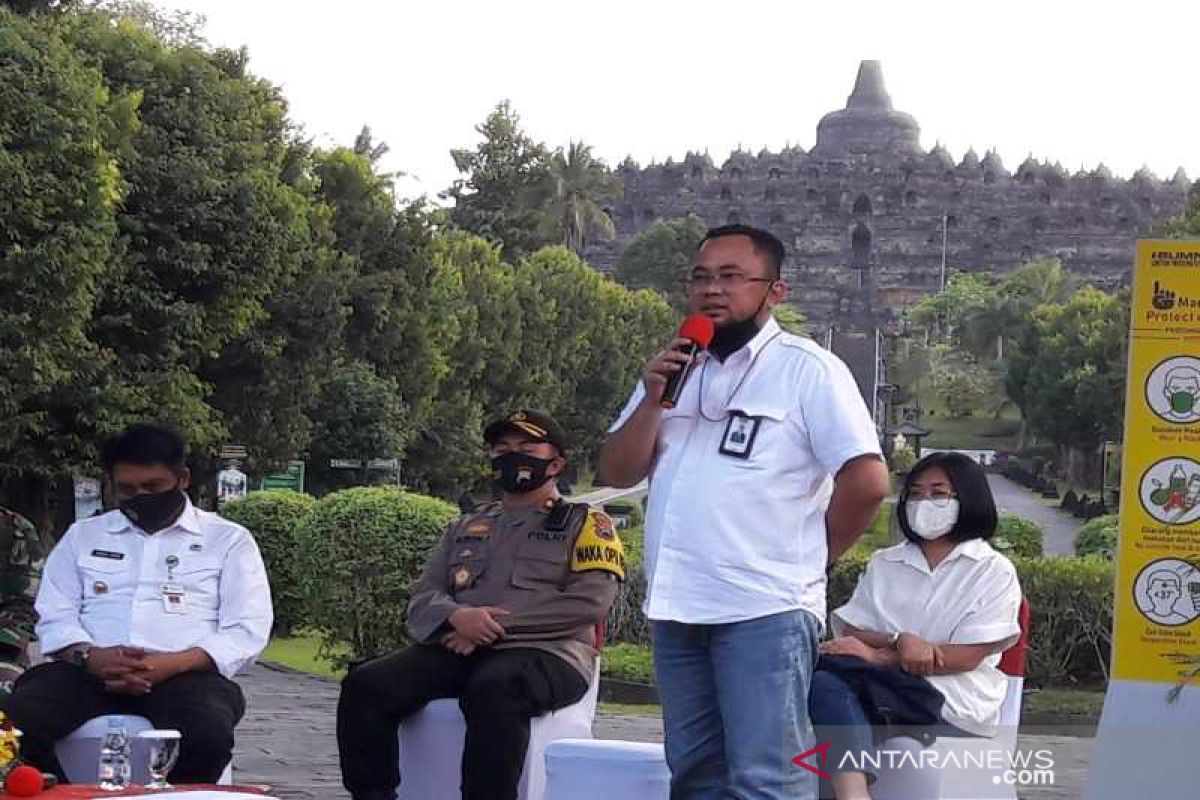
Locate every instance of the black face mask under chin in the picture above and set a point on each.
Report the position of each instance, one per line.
(519, 473)
(731, 337)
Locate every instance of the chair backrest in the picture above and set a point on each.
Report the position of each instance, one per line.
(1012, 662)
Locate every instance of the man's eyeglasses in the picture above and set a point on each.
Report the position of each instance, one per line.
(726, 281)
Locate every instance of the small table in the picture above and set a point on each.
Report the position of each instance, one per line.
(76, 791)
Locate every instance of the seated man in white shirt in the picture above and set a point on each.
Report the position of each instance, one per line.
(148, 610)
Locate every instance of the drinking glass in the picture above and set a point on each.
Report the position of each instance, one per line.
(162, 748)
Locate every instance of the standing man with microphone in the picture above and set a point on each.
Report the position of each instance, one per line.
(763, 470)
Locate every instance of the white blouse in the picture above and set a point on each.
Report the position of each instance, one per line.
(971, 597)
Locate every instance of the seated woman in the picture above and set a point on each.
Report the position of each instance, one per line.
(938, 610)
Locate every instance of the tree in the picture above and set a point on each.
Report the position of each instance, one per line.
(1187, 224)
(360, 415)
(208, 233)
(170, 26)
(59, 189)
(960, 382)
(399, 304)
(584, 339)
(791, 319)
(660, 257)
(446, 455)
(570, 194)
(491, 200)
(1070, 375)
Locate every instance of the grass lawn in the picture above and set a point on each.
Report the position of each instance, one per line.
(983, 432)
(300, 653)
(1064, 702)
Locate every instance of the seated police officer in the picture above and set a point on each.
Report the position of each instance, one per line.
(149, 610)
(504, 617)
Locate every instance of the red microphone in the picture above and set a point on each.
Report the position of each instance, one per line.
(698, 330)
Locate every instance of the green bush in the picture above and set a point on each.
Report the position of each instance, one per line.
(844, 576)
(636, 517)
(275, 518)
(903, 460)
(1071, 603)
(1071, 600)
(361, 550)
(626, 621)
(628, 662)
(1017, 536)
(1098, 537)
(632, 541)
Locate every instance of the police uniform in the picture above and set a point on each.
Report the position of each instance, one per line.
(555, 569)
(24, 556)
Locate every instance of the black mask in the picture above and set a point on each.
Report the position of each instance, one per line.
(729, 338)
(153, 512)
(518, 473)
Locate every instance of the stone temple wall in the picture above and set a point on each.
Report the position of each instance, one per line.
(863, 213)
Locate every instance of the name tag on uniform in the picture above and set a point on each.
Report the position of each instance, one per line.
(740, 433)
(174, 598)
(114, 555)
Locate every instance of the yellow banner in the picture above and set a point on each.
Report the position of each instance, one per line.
(1157, 626)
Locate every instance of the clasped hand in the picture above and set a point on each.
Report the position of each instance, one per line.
(474, 628)
(130, 670)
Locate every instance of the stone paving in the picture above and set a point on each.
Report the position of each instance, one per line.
(1060, 526)
(287, 740)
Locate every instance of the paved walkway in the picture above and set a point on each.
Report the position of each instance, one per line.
(1060, 527)
(599, 497)
(287, 740)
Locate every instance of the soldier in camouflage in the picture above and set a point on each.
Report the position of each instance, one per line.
(23, 557)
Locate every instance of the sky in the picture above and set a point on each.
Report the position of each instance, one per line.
(1060, 80)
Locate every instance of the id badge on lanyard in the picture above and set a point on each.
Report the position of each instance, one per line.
(174, 596)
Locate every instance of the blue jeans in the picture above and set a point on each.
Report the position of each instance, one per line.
(735, 706)
(839, 718)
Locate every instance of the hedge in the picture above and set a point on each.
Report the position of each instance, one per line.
(1017, 536)
(361, 550)
(1098, 537)
(275, 517)
(1071, 600)
(1071, 603)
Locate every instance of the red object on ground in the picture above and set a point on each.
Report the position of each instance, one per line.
(24, 781)
(85, 792)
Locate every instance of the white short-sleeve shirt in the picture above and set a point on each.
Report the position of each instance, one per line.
(103, 585)
(741, 479)
(971, 597)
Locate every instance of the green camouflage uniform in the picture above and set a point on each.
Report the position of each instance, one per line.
(22, 557)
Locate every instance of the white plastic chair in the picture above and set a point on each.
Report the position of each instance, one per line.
(79, 751)
(584, 769)
(431, 746)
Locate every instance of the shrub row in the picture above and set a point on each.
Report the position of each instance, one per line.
(342, 566)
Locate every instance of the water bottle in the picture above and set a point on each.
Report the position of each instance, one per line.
(114, 757)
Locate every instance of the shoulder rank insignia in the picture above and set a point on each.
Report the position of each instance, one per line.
(598, 547)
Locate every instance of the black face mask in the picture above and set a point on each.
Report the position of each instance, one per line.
(518, 473)
(733, 336)
(153, 512)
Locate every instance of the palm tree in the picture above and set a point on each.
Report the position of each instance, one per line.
(570, 198)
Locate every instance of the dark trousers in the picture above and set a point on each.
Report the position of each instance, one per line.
(499, 692)
(51, 700)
